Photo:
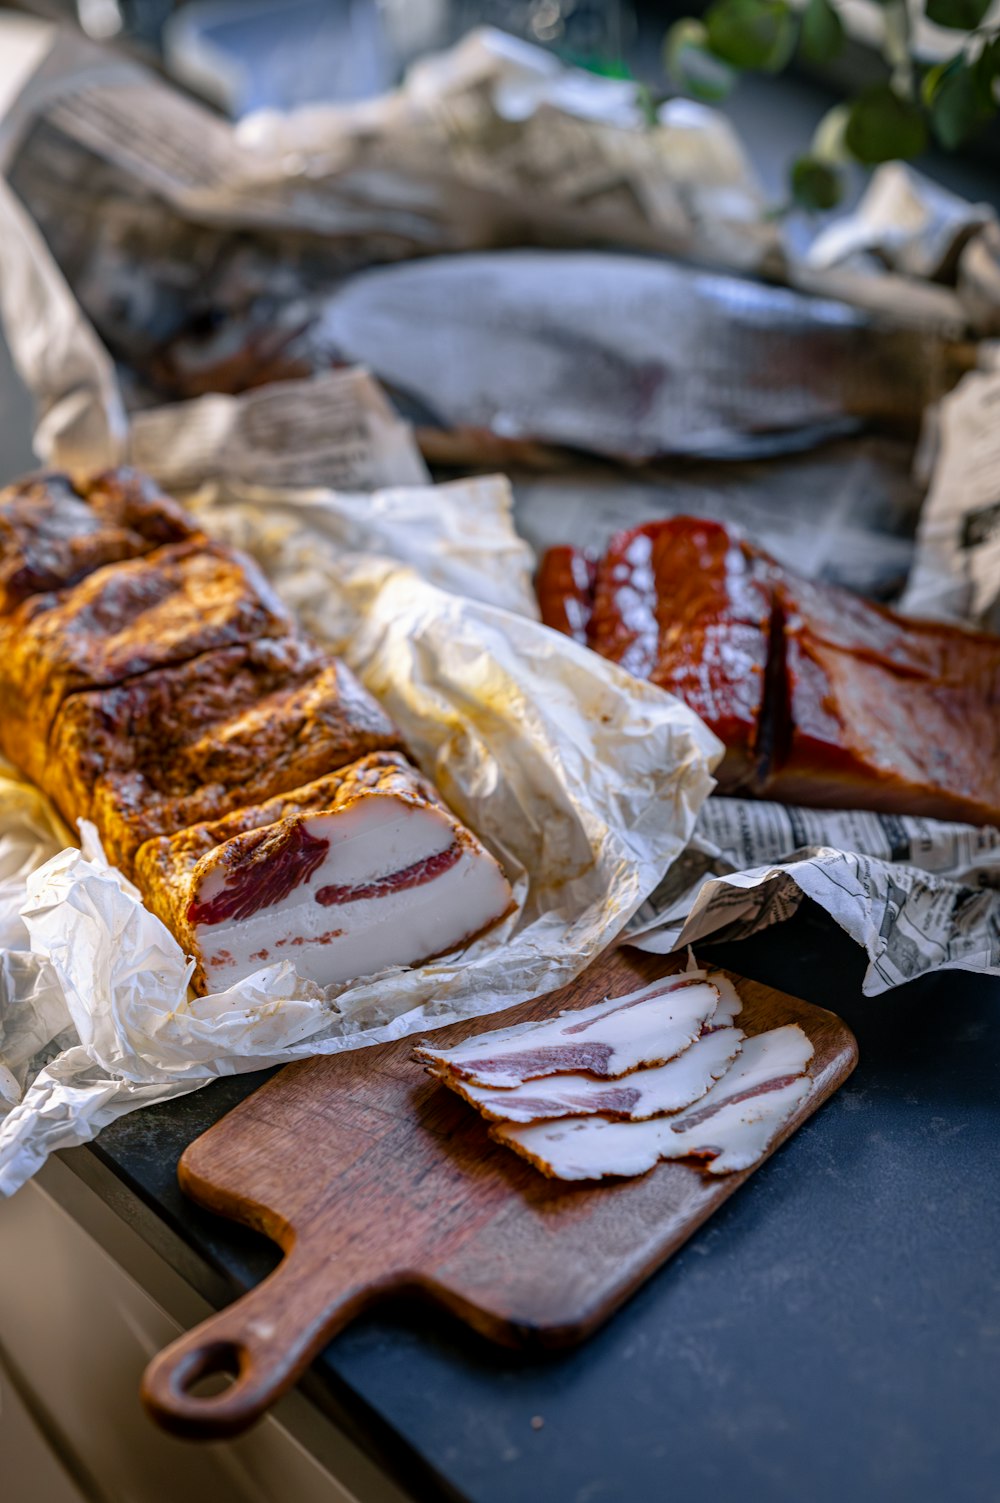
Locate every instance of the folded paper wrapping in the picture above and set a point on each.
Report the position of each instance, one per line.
(916, 893)
(586, 788)
(459, 536)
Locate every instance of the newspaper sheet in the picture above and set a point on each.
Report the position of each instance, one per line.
(917, 894)
(956, 574)
(336, 429)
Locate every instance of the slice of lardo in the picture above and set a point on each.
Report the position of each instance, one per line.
(361, 870)
(729, 1006)
(730, 1128)
(642, 1093)
(609, 1039)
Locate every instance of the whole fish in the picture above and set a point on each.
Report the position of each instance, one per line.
(630, 357)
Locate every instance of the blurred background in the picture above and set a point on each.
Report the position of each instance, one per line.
(248, 55)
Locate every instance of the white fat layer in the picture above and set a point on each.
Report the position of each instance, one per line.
(766, 1056)
(729, 1006)
(372, 838)
(660, 1021)
(736, 1134)
(344, 941)
(661, 1088)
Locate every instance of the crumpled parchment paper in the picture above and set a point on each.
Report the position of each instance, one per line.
(585, 784)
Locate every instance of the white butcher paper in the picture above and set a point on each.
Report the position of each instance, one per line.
(459, 536)
(733, 1126)
(584, 784)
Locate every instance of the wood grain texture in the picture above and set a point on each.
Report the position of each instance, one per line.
(374, 1178)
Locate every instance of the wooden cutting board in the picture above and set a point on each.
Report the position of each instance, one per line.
(374, 1178)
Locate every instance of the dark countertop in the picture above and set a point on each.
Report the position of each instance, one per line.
(833, 1332)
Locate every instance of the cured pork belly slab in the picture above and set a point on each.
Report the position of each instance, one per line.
(649, 1092)
(730, 1128)
(359, 871)
(152, 682)
(54, 532)
(122, 620)
(177, 746)
(565, 590)
(820, 697)
(886, 713)
(680, 603)
(648, 1027)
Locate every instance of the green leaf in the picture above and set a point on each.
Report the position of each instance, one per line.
(753, 34)
(986, 72)
(692, 66)
(816, 185)
(955, 108)
(883, 126)
(959, 15)
(822, 34)
(932, 80)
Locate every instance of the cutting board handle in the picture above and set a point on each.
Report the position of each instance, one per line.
(263, 1342)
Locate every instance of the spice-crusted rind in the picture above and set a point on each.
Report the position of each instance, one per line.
(178, 746)
(124, 619)
(54, 532)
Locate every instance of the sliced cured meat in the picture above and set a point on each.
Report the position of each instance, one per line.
(164, 865)
(649, 1092)
(177, 746)
(730, 1128)
(820, 697)
(357, 872)
(122, 620)
(880, 713)
(54, 532)
(565, 589)
(729, 1005)
(609, 1039)
(151, 681)
(684, 604)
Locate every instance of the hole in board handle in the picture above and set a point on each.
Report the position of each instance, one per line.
(206, 1373)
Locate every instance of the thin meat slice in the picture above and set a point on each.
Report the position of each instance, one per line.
(729, 1005)
(122, 620)
(650, 1092)
(607, 1040)
(181, 745)
(54, 531)
(730, 1128)
(358, 872)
